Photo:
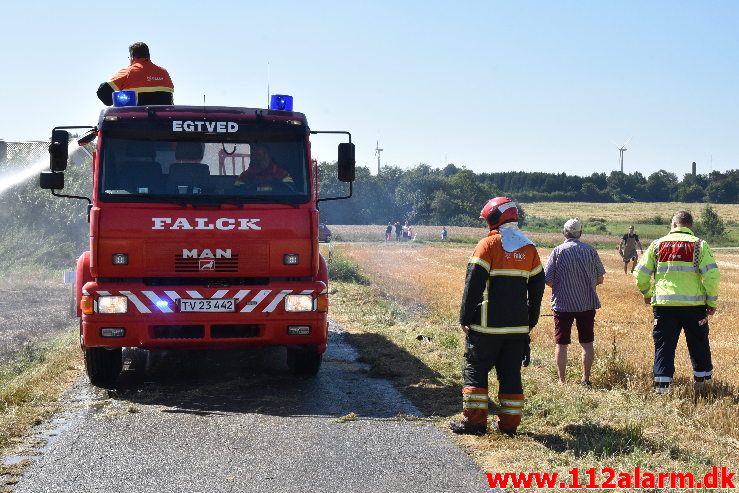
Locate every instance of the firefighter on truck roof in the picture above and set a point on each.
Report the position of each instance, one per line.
(151, 83)
(683, 295)
(500, 305)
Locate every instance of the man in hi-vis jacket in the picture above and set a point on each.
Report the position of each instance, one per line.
(500, 305)
(684, 294)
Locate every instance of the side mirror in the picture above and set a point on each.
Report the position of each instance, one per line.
(50, 180)
(58, 150)
(346, 162)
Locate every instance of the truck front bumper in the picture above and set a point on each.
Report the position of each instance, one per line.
(153, 319)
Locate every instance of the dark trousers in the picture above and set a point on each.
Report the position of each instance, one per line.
(668, 322)
(483, 352)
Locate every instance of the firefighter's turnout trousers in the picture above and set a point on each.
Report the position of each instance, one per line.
(483, 352)
(668, 322)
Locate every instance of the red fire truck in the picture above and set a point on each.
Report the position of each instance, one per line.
(203, 233)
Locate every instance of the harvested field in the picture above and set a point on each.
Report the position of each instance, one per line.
(411, 308)
(31, 306)
(637, 212)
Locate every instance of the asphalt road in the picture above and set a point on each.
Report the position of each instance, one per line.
(240, 422)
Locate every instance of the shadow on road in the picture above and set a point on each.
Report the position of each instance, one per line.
(217, 382)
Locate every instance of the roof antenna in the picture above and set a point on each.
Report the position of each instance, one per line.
(267, 84)
(203, 99)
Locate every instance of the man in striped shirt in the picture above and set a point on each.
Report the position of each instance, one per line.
(573, 271)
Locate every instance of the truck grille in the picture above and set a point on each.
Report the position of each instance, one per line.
(179, 331)
(182, 264)
(234, 331)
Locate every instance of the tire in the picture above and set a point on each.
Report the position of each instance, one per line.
(103, 366)
(304, 362)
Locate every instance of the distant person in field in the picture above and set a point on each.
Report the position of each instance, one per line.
(573, 271)
(398, 230)
(627, 249)
(389, 231)
(443, 233)
(500, 305)
(405, 231)
(683, 295)
(151, 83)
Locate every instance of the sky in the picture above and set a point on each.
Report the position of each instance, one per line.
(491, 86)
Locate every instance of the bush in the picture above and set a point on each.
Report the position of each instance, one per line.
(341, 268)
(710, 226)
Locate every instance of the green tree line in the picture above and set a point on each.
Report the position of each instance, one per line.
(426, 195)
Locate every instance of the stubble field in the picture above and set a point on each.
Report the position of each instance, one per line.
(408, 314)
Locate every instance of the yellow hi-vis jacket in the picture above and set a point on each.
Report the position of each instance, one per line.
(685, 272)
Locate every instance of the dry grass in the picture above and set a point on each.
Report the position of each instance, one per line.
(408, 316)
(637, 212)
(30, 387)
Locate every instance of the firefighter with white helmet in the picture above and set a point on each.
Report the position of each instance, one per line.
(502, 297)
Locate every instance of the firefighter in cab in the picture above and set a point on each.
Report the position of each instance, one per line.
(151, 83)
(500, 305)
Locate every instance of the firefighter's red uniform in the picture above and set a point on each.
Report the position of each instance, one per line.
(501, 302)
(151, 83)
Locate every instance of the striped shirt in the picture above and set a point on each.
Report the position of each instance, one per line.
(573, 270)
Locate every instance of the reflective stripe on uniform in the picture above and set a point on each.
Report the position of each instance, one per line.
(508, 272)
(663, 379)
(476, 401)
(501, 330)
(676, 268)
(643, 269)
(708, 267)
(151, 89)
(703, 373)
(679, 297)
(480, 262)
(511, 407)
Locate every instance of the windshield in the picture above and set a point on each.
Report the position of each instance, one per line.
(190, 171)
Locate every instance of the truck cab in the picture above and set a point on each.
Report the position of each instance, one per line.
(203, 234)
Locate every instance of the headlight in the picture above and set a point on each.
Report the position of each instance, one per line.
(112, 304)
(299, 303)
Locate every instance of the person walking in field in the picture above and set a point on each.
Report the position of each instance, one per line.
(398, 229)
(388, 231)
(627, 249)
(500, 305)
(573, 271)
(683, 295)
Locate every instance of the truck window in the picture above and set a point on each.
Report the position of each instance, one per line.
(135, 170)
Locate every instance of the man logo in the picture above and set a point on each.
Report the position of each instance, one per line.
(207, 264)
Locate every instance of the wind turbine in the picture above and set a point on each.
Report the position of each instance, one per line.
(621, 150)
(377, 153)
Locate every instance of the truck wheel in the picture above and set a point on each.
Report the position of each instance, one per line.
(304, 361)
(103, 366)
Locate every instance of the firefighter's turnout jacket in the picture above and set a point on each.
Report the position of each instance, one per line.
(684, 269)
(503, 290)
(151, 83)
(501, 301)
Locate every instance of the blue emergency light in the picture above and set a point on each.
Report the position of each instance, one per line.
(124, 98)
(281, 102)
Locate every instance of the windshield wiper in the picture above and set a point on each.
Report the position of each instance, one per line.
(163, 198)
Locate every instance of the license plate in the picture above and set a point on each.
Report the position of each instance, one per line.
(208, 305)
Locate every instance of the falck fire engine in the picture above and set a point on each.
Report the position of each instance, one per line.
(189, 248)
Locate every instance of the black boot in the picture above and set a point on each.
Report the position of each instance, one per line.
(466, 429)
